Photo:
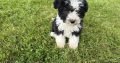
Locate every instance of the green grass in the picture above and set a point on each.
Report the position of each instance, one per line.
(25, 26)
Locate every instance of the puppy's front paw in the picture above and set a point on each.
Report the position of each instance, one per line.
(73, 42)
(60, 41)
(60, 45)
(73, 45)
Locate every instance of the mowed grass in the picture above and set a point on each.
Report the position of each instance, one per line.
(25, 26)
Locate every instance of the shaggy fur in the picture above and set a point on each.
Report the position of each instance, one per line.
(68, 22)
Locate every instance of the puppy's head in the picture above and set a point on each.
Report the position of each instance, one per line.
(71, 11)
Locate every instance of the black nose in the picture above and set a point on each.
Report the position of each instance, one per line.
(72, 21)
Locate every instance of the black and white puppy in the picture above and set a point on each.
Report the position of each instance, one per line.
(69, 20)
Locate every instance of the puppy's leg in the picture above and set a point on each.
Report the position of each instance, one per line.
(60, 41)
(73, 42)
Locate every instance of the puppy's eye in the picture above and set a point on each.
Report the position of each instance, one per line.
(66, 3)
(81, 5)
(78, 11)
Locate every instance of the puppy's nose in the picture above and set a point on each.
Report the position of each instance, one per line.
(72, 21)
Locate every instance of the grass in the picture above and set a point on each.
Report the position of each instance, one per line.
(25, 26)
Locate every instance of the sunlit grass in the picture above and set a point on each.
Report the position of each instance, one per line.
(25, 26)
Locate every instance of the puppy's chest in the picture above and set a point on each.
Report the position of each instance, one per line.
(68, 29)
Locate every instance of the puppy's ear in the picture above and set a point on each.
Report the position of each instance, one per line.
(57, 4)
(85, 5)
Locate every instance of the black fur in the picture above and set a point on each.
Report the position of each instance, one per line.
(55, 28)
(83, 9)
(57, 4)
(64, 8)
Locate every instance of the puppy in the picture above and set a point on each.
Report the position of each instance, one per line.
(68, 22)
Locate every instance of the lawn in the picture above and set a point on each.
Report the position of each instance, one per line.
(25, 26)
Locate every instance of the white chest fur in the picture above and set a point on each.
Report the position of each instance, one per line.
(68, 29)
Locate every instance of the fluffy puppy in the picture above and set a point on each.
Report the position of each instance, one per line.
(68, 22)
